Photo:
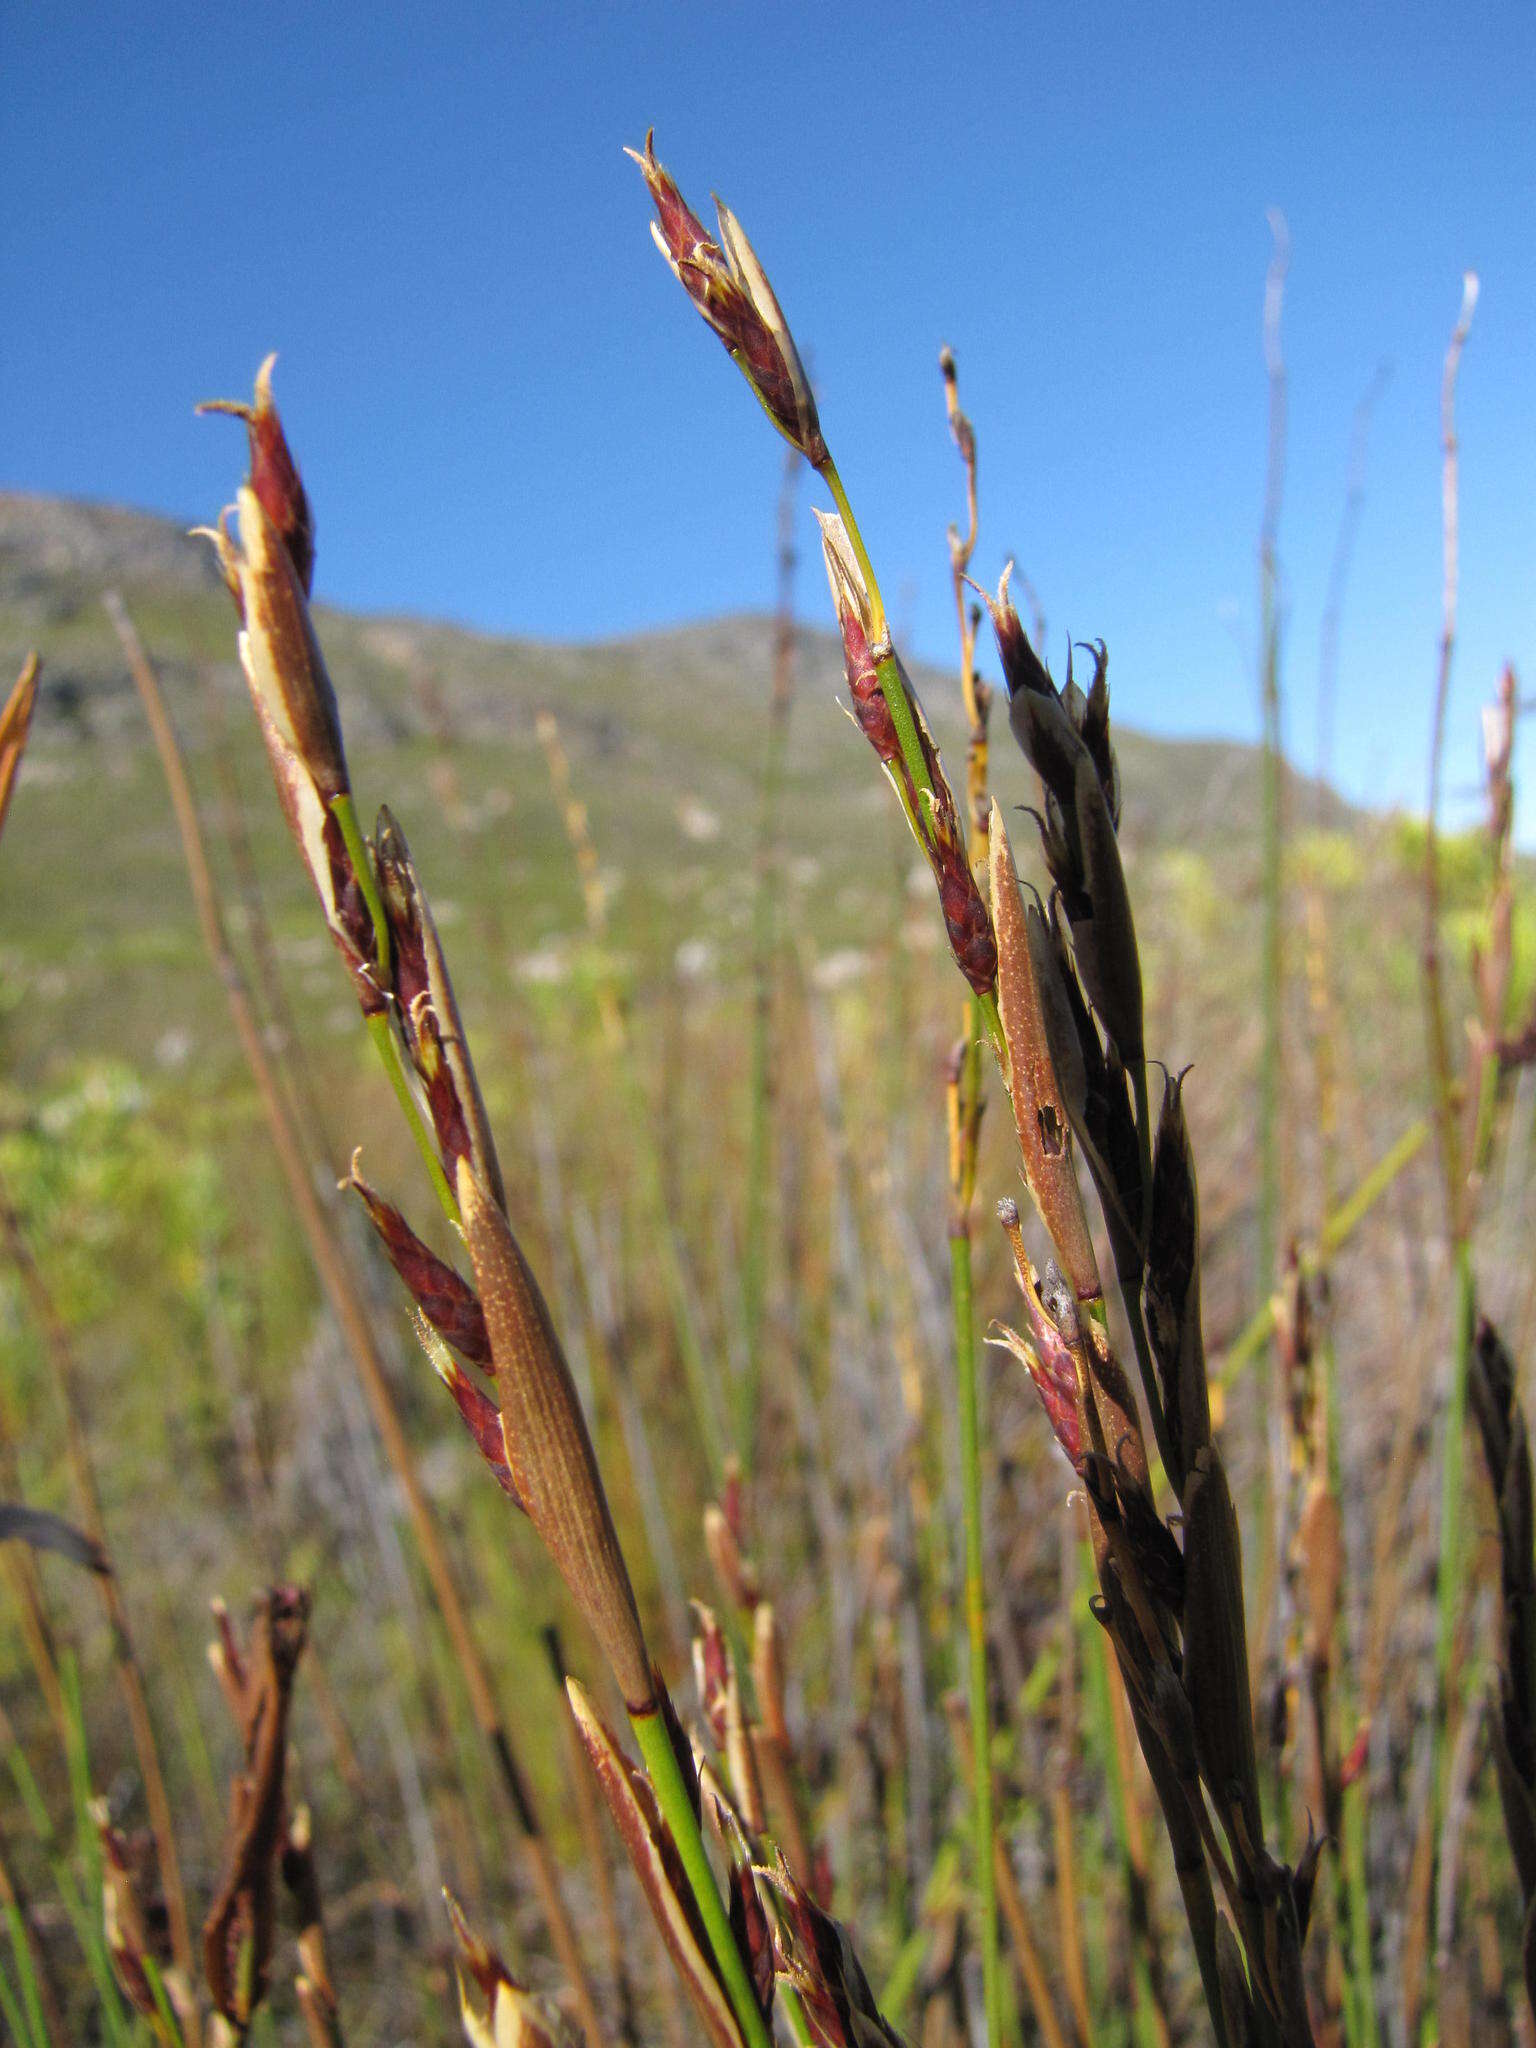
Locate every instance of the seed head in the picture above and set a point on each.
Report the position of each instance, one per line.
(726, 282)
(274, 473)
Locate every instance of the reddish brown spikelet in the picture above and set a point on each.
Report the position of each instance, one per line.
(496, 2010)
(1046, 1354)
(727, 284)
(15, 724)
(444, 1297)
(300, 727)
(931, 813)
(711, 1671)
(813, 1953)
(274, 473)
(1356, 1757)
(478, 1412)
(133, 1912)
(429, 1015)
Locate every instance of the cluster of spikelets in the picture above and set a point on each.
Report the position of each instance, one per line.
(1060, 994)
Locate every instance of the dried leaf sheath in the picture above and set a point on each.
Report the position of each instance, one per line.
(239, 1931)
(548, 1449)
(1039, 1112)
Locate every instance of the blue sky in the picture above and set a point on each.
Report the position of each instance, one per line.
(508, 415)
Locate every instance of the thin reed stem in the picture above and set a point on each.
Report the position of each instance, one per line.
(967, 1376)
(754, 1250)
(677, 1811)
(1336, 1232)
(965, 1104)
(1271, 762)
(1454, 1165)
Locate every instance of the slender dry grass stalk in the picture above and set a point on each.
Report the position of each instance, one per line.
(1458, 1169)
(1272, 759)
(766, 873)
(130, 1677)
(352, 1318)
(964, 1104)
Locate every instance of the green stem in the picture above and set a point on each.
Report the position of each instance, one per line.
(677, 1811)
(383, 1036)
(379, 1030)
(987, 1005)
(967, 1378)
(1359, 1973)
(1336, 1232)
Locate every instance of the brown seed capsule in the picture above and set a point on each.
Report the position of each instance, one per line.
(1039, 1113)
(549, 1452)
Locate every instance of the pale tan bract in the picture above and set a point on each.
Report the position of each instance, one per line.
(549, 1452)
(1039, 1113)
